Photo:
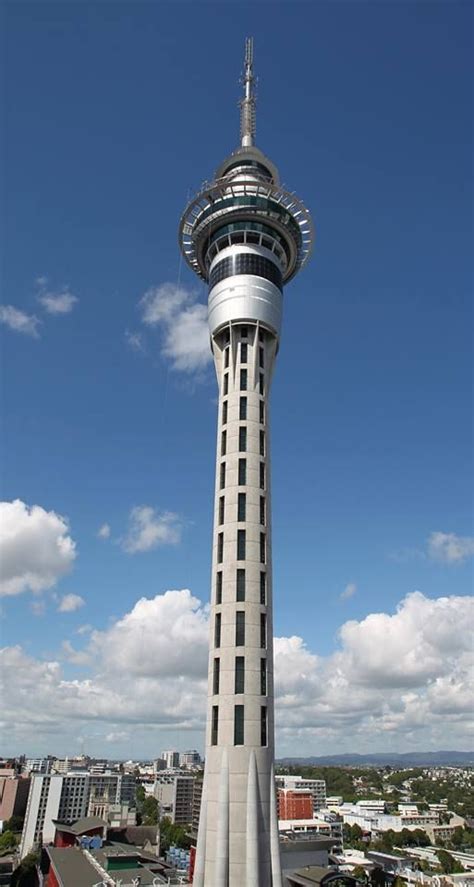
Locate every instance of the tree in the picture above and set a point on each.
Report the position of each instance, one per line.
(8, 841)
(14, 824)
(25, 874)
(149, 811)
(448, 864)
(359, 872)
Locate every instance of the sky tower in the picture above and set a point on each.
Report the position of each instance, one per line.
(245, 236)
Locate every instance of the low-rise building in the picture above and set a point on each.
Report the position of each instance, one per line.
(294, 804)
(317, 787)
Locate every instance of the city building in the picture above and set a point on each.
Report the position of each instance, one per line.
(171, 759)
(13, 796)
(317, 788)
(69, 797)
(190, 759)
(311, 827)
(174, 793)
(245, 236)
(38, 765)
(294, 804)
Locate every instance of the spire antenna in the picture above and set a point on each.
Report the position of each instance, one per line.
(249, 102)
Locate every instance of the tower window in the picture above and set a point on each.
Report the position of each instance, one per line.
(239, 686)
(242, 472)
(222, 476)
(263, 588)
(261, 407)
(263, 726)
(240, 544)
(226, 384)
(241, 506)
(262, 510)
(244, 331)
(261, 357)
(243, 352)
(242, 439)
(262, 383)
(226, 358)
(216, 676)
(224, 411)
(238, 725)
(243, 408)
(217, 630)
(243, 380)
(221, 509)
(262, 443)
(240, 585)
(227, 335)
(220, 548)
(262, 475)
(219, 588)
(263, 677)
(262, 548)
(214, 724)
(224, 443)
(240, 628)
(263, 631)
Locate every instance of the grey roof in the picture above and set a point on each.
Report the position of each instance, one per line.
(72, 868)
(80, 825)
(317, 874)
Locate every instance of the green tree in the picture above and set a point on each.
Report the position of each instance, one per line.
(8, 841)
(448, 864)
(15, 824)
(359, 872)
(25, 874)
(149, 811)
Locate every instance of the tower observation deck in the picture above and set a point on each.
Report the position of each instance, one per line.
(246, 236)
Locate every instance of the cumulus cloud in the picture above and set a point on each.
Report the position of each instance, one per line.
(348, 592)
(19, 321)
(59, 301)
(134, 340)
(449, 548)
(149, 528)
(104, 531)
(36, 549)
(69, 603)
(404, 676)
(183, 323)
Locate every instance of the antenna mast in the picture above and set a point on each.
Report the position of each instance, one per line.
(248, 103)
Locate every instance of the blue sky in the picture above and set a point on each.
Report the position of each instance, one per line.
(115, 113)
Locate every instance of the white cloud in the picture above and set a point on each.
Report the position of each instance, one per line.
(60, 301)
(104, 531)
(348, 592)
(117, 736)
(149, 528)
(35, 548)
(400, 678)
(449, 548)
(19, 321)
(183, 322)
(134, 340)
(84, 629)
(70, 602)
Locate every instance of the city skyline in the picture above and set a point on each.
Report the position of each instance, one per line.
(372, 533)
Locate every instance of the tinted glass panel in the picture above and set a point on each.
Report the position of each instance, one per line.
(239, 674)
(219, 588)
(262, 510)
(243, 408)
(224, 412)
(242, 439)
(240, 583)
(261, 412)
(263, 588)
(243, 352)
(240, 545)
(262, 548)
(241, 506)
(220, 547)
(226, 383)
(221, 509)
(263, 677)
(263, 725)
(226, 358)
(246, 263)
(262, 475)
(238, 725)
(239, 629)
(243, 380)
(214, 724)
(263, 631)
(224, 443)
(262, 443)
(216, 676)
(222, 477)
(217, 630)
(242, 472)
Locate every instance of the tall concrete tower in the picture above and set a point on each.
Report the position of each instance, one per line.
(245, 236)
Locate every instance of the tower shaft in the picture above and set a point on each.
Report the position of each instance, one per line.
(245, 236)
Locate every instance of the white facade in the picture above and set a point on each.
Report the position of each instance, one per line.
(171, 759)
(67, 797)
(317, 787)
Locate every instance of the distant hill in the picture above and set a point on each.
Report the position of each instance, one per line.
(384, 759)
